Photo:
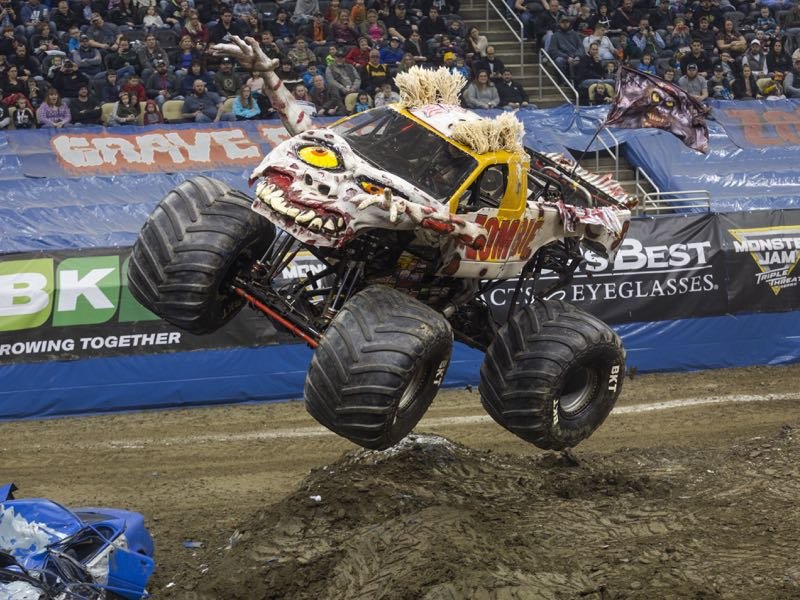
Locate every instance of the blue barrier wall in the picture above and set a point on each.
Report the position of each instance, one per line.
(93, 188)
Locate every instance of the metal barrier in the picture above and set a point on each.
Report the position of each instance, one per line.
(658, 202)
(517, 29)
(546, 59)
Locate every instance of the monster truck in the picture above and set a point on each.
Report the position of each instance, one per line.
(415, 211)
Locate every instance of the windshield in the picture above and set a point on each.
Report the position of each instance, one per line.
(398, 145)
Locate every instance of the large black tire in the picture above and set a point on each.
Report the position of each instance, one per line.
(190, 248)
(378, 367)
(552, 374)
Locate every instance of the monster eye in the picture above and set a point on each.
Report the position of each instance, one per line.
(655, 98)
(669, 104)
(372, 188)
(319, 156)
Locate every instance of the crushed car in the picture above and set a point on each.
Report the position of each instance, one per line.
(50, 552)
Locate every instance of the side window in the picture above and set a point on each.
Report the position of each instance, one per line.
(487, 191)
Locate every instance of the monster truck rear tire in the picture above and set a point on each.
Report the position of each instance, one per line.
(190, 248)
(552, 374)
(378, 367)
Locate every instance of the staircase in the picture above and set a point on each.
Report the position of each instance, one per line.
(507, 49)
(626, 177)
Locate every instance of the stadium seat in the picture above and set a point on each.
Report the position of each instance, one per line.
(140, 120)
(350, 101)
(173, 111)
(227, 106)
(11, 111)
(106, 110)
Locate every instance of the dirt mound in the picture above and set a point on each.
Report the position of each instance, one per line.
(432, 519)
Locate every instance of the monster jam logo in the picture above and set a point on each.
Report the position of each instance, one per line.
(775, 250)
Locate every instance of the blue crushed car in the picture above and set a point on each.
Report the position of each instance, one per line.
(50, 552)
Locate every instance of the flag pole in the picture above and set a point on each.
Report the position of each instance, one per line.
(589, 145)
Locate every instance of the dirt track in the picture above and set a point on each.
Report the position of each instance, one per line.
(693, 502)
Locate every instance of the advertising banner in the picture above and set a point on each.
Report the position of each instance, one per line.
(76, 305)
(763, 250)
(666, 268)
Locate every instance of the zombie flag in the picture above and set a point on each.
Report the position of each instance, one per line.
(644, 100)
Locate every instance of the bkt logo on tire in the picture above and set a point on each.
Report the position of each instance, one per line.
(613, 379)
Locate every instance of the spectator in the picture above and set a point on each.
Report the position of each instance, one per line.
(719, 87)
(373, 28)
(72, 40)
(326, 99)
(300, 94)
(476, 44)
(125, 60)
(12, 84)
(149, 53)
(446, 7)
(126, 110)
(693, 84)
(121, 14)
(645, 40)
(110, 88)
(626, 18)
(549, 23)
(376, 72)
(269, 46)
(447, 45)
(311, 72)
(791, 27)
(697, 57)
(342, 30)
(300, 55)
(680, 39)
(707, 11)
(35, 93)
(5, 117)
(605, 48)
(386, 95)
(393, 53)
(162, 85)
(304, 11)
(331, 14)
(53, 112)
(590, 69)
(416, 47)
(68, 81)
(491, 64)
(24, 117)
(287, 74)
(756, 59)
(28, 66)
(227, 82)
(358, 13)
(566, 46)
(341, 77)
(102, 35)
(520, 8)
(744, 87)
(777, 58)
(363, 103)
(772, 88)
(195, 29)
(602, 16)
(245, 107)
(7, 42)
(44, 41)
(646, 64)
(243, 9)
(601, 93)
(765, 22)
(481, 93)
(255, 82)
(456, 31)
(661, 19)
(317, 31)
(511, 94)
(282, 29)
(358, 56)
(187, 54)
(31, 13)
(63, 17)
(669, 74)
(431, 26)
(730, 40)
(203, 106)
(399, 23)
(152, 20)
(196, 71)
(85, 109)
(707, 37)
(152, 113)
(225, 27)
(407, 62)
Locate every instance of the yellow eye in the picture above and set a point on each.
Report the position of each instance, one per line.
(319, 156)
(372, 188)
(669, 104)
(655, 98)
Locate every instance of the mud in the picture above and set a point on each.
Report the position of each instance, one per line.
(692, 502)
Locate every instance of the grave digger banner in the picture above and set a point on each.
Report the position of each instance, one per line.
(70, 305)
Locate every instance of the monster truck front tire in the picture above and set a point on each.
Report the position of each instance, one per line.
(552, 374)
(189, 250)
(378, 367)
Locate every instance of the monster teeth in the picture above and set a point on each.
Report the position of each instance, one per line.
(340, 222)
(305, 216)
(292, 212)
(279, 205)
(316, 224)
(329, 225)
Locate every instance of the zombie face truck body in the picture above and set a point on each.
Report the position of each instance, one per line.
(415, 211)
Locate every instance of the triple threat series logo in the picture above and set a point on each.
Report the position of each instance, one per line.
(776, 251)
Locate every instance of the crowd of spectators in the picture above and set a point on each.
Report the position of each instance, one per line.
(123, 62)
(713, 49)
